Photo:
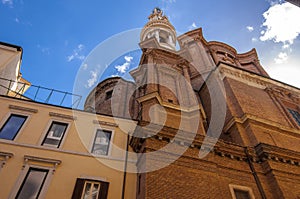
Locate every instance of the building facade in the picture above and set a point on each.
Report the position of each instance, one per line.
(44, 155)
(50, 151)
(211, 122)
(11, 80)
(199, 121)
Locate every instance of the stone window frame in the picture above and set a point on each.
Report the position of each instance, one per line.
(233, 187)
(285, 100)
(47, 128)
(287, 106)
(48, 131)
(32, 162)
(109, 152)
(296, 120)
(40, 185)
(5, 119)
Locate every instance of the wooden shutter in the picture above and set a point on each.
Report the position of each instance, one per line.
(103, 190)
(78, 188)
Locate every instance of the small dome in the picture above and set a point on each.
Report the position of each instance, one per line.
(159, 27)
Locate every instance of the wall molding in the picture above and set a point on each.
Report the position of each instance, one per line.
(21, 108)
(63, 116)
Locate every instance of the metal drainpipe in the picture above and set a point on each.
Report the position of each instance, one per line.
(125, 167)
(258, 183)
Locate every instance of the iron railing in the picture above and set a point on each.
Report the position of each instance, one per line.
(39, 94)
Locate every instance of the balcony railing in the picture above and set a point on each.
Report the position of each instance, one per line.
(41, 94)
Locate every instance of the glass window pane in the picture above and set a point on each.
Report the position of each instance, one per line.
(32, 184)
(95, 191)
(101, 142)
(87, 190)
(12, 127)
(55, 134)
(296, 115)
(91, 190)
(239, 194)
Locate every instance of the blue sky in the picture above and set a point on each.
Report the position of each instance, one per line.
(57, 36)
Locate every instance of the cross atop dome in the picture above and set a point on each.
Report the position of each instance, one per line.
(157, 10)
(157, 14)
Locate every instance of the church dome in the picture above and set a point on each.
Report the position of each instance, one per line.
(159, 27)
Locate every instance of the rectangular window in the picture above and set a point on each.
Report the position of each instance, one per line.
(55, 134)
(101, 142)
(90, 189)
(12, 126)
(296, 115)
(32, 184)
(241, 194)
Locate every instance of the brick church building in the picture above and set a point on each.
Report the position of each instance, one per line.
(211, 122)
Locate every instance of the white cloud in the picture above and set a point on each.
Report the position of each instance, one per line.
(125, 66)
(250, 28)
(93, 78)
(254, 39)
(281, 58)
(273, 2)
(286, 46)
(281, 23)
(169, 1)
(128, 58)
(77, 53)
(17, 20)
(288, 73)
(193, 26)
(84, 66)
(7, 2)
(70, 58)
(80, 47)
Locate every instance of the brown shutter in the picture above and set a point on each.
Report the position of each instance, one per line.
(103, 190)
(78, 189)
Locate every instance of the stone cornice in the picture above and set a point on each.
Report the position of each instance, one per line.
(253, 79)
(244, 76)
(156, 23)
(269, 123)
(284, 93)
(155, 95)
(216, 46)
(267, 152)
(191, 36)
(165, 53)
(258, 154)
